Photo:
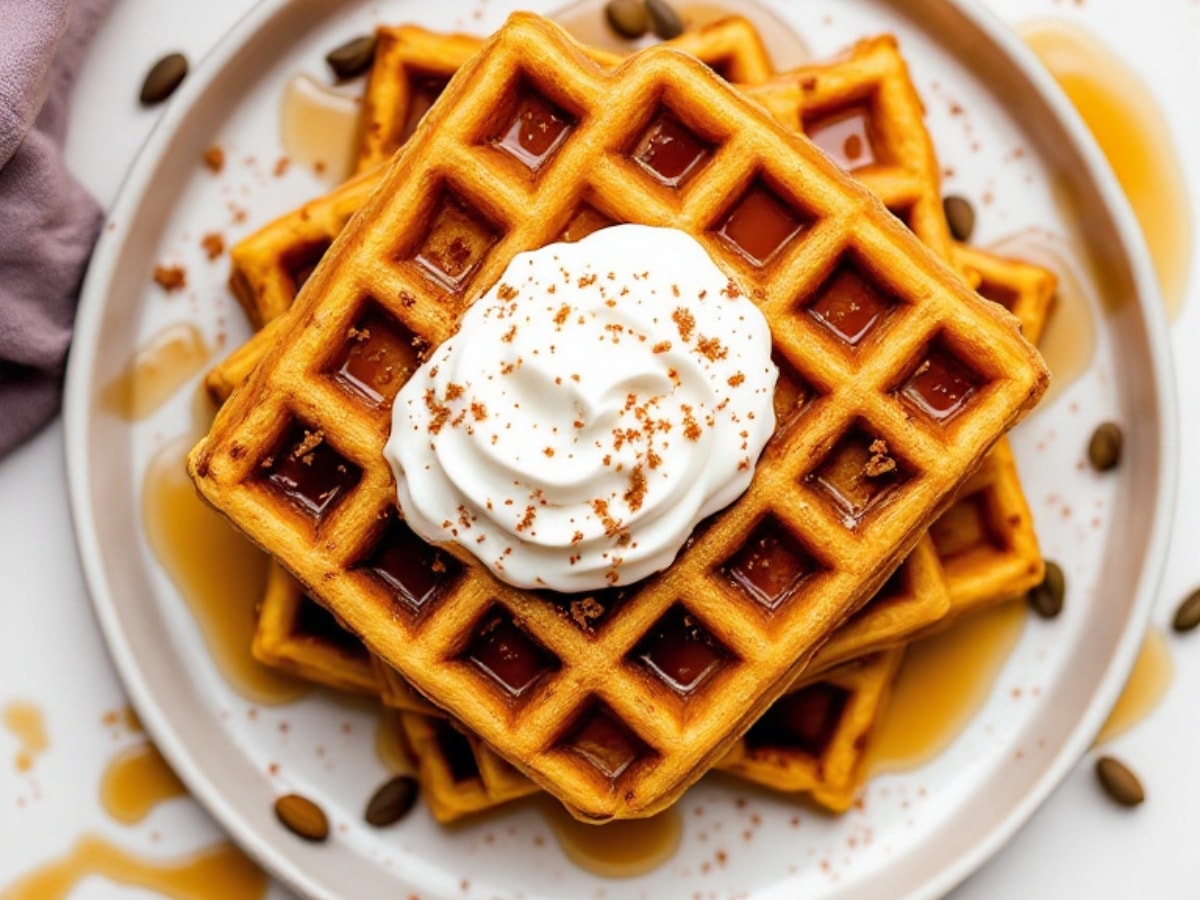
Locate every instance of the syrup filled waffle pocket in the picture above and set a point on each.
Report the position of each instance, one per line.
(296, 460)
(413, 66)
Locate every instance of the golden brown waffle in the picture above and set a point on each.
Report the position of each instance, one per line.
(986, 542)
(296, 461)
(270, 266)
(864, 112)
(1026, 290)
(458, 775)
(868, 87)
(397, 693)
(296, 634)
(413, 66)
(814, 740)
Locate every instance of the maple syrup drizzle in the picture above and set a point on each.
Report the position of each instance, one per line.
(218, 871)
(617, 849)
(1125, 118)
(28, 726)
(771, 567)
(535, 131)
(318, 128)
(156, 372)
(680, 651)
(942, 684)
(135, 781)
(501, 650)
(219, 573)
(1147, 685)
(759, 225)
(669, 151)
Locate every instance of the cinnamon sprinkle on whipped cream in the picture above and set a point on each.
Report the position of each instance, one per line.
(589, 412)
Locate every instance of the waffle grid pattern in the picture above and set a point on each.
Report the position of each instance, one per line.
(456, 166)
(412, 67)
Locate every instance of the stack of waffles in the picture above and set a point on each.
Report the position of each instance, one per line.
(768, 648)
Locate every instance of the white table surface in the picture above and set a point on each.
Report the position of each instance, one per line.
(52, 654)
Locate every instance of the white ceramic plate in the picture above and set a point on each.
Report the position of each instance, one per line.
(917, 834)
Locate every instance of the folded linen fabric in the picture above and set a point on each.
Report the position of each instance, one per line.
(48, 222)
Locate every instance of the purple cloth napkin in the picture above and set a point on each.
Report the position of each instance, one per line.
(48, 222)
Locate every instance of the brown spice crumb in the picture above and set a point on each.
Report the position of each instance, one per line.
(880, 462)
(214, 159)
(549, 451)
(731, 290)
(281, 166)
(661, 347)
(585, 611)
(527, 519)
(170, 278)
(711, 348)
(685, 322)
(636, 495)
(737, 379)
(213, 245)
(312, 440)
(507, 292)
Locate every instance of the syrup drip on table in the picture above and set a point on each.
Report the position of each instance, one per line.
(156, 371)
(1068, 342)
(25, 722)
(318, 128)
(219, 871)
(618, 849)
(220, 574)
(942, 684)
(1147, 685)
(135, 781)
(585, 21)
(1128, 124)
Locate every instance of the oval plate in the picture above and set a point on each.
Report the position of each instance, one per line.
(916, 834)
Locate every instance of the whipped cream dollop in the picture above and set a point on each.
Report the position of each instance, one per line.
(593, 407)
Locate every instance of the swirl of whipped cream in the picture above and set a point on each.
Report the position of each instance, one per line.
(593, 407)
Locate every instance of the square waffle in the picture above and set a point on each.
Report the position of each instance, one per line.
(812, 740)
(865, 96)
(1026, 290)
(459, 776)
(413, 66)
(296, 459)
(864, 112)
(297, 635)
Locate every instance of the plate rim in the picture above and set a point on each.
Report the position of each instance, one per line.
(77, 410)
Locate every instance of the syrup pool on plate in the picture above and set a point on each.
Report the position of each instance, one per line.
(1128, 124)
(318, 127)
(220, 574)
(616, 849)
(158, 369)
(943, 682)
